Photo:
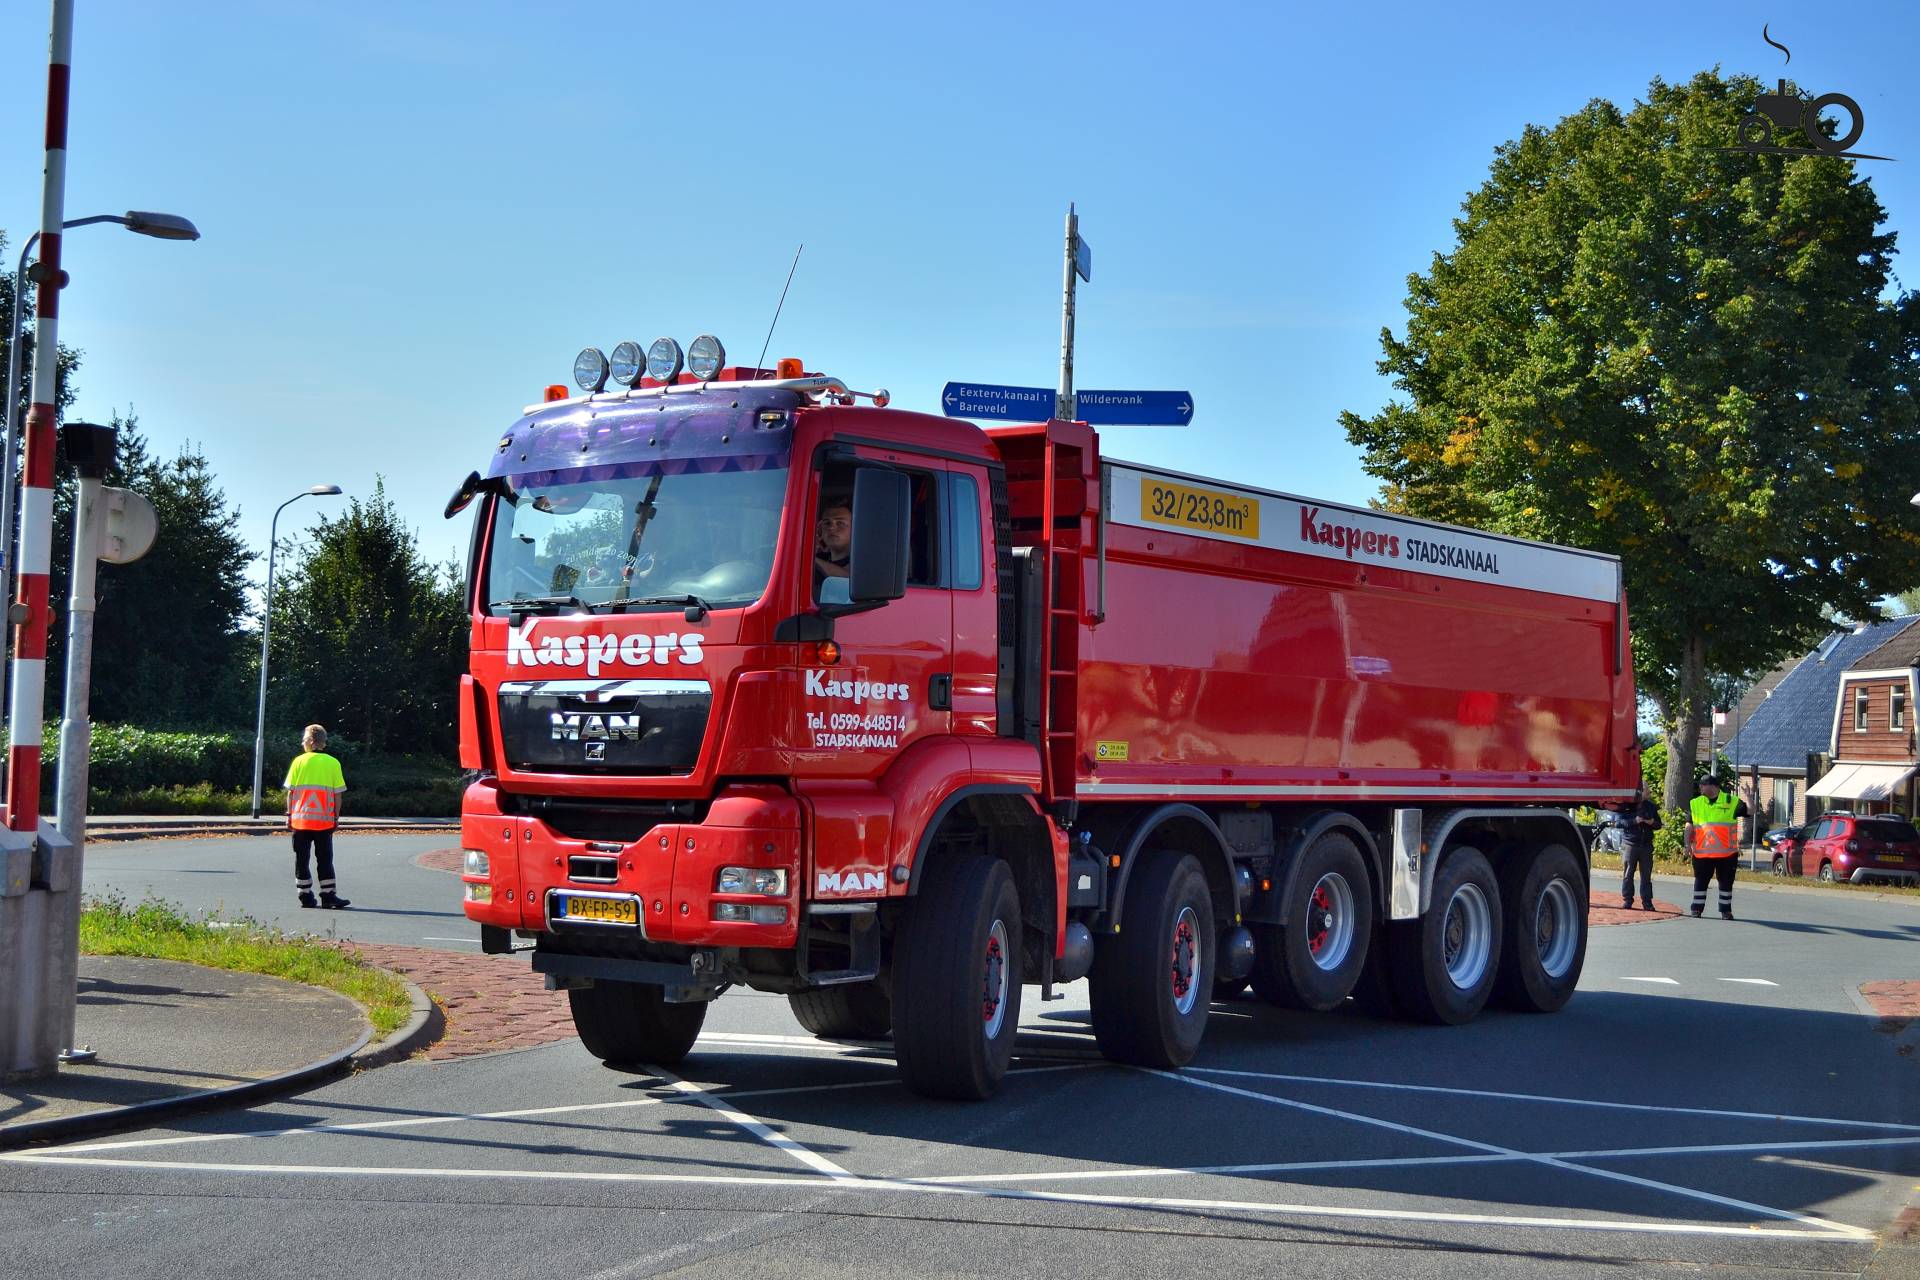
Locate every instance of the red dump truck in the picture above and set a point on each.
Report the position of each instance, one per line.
(896, 715)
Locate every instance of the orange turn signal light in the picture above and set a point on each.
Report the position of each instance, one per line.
(827, 652)
(790, 367)
(556, 391)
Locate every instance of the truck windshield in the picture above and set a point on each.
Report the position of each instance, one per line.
(637, 537)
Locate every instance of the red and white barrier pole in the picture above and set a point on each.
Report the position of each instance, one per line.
(25, 711)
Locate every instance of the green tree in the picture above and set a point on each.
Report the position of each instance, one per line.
(368, 638)
(1646, 343)
(169, 644)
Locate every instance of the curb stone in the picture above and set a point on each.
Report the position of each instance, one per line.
(422, 1029)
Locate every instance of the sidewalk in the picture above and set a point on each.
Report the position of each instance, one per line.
(174, 1036)
(115, 826)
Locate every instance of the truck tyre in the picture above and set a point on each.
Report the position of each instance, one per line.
(956, 979)
(631, 1022)
(855, 1011)
(1315, 959)
(1546, 937)
(1444, 963)
(1151, 981)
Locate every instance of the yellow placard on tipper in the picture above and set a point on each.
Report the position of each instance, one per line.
(1110, 752)
(1183, 506)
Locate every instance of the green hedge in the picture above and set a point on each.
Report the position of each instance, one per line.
(136, 770)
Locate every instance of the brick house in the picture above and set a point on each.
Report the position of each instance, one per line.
(1872, 738)
(1791, 726)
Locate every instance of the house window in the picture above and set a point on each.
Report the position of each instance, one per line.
(1783, 801)
(1860, 711)
(1898, 716)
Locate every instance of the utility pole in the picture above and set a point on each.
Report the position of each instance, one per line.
(1080, 264)
(37, 870)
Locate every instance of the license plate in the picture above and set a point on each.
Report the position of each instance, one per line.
(596, 910)
(1890, 857)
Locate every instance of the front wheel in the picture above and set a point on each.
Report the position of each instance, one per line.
(631, 1022)
(956, 979)
(853, 1011)
(1150, 981)
(1779, 865)
(1444, 963)
(1546, 937)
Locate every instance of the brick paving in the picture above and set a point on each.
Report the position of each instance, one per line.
(1893, 999)
(491, 1002)
(1600, 912)
(440, 860)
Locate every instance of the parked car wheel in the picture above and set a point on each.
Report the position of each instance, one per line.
(1826, 872)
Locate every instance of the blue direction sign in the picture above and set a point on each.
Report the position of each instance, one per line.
(990, 400)
(1134, 408)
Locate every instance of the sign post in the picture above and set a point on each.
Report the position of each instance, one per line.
(1079, 263)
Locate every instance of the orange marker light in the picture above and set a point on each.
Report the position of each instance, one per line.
(828, 653)
(790, 367)
(556, 391)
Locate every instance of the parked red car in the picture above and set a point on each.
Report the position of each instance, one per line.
(1845, 846)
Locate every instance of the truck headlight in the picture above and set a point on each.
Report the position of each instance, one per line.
(768, 881)
(749, 913)
(476, 863)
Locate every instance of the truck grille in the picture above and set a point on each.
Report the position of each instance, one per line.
(628, 727)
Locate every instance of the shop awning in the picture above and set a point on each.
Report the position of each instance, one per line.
(1862, 781)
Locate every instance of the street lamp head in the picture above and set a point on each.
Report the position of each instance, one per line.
(324, 490)
(1915, 499)
(161, 226)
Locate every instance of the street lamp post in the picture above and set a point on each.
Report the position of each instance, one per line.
(161, 226)
(266, 629)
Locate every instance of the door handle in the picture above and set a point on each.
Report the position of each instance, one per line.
(940, 693)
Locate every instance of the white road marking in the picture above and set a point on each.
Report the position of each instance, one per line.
(1669, 982)
(1752, 982)
(1416, 1162)
(1610, 1175)
(779, 1141)
(1837, 1233)
(1713, 1112)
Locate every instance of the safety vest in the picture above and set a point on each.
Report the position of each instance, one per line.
(1716, 832)
(314, 784)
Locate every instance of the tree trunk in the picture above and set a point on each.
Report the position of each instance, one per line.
(1689, 718)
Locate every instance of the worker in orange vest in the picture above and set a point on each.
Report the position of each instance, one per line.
(1713, 837)
(314, 785)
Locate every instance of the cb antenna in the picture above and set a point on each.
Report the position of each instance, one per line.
(762, 361)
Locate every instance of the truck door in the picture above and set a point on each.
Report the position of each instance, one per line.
(892, 682)
(976, 602)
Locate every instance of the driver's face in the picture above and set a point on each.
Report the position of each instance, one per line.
(836, 531)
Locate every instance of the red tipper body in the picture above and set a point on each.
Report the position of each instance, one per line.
(703, 761)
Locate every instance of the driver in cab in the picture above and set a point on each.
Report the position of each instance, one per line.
(833, 548)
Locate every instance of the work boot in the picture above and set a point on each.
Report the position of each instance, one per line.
(1647, 905)
(1626, 904)
(333, 901)
(1695, 913)
(307, 900)
(1727, 914)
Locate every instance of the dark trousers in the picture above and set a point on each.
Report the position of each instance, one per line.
(1643, 859)
(310, 842)
(1721, 869)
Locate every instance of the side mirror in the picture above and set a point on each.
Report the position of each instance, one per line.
(468, 490)
(877, 566)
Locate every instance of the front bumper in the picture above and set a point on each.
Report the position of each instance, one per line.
(669, 871)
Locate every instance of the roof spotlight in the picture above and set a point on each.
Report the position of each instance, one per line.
(628, 363)
(706, 357)
(664, 360)
(590, 370)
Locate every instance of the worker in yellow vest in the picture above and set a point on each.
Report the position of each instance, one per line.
(314, 784)
(1713, 837)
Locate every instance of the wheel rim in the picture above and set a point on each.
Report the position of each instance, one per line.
(1467, 938)
(1184, 964)
(1826, 872)
(1330, 921)
(993, 985)
(1556, 928)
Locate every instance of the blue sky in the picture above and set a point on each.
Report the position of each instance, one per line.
(414, 215)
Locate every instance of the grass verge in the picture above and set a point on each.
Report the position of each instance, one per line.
(1684, 867)
(162, 931)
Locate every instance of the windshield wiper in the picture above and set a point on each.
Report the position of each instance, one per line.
(540, 604)
(692, 602)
